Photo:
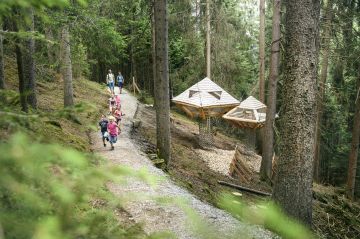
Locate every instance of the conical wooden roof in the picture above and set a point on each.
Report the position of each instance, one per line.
(205, 94)
(251, 103)
(249, 114)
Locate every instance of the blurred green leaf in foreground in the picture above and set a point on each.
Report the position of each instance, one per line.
(48, 191)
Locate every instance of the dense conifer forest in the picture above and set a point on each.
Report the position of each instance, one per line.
(296, 159)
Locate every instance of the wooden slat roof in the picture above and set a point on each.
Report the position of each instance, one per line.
(204, 94)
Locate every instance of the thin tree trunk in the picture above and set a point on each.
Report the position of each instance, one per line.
(293, 185)
(2, 72)
(161, 85)
(268, 146)
(208, 40)
(153, 45)
(321, 86)
(49, 37)
(133, 66)
(19, 61)
(262, 52)
(29, 64)
(353, 156)
(66, 68)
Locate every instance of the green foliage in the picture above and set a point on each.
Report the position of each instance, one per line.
(81, 66)
(53, 192)
(6, 5)
(266, 214)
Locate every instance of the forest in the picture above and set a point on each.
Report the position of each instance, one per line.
(180, 168)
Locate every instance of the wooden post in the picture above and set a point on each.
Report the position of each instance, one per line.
(133, 84)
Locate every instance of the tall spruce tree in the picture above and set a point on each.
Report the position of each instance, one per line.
(161, 82)
(293, 185)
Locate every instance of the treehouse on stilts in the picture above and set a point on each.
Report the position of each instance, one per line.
(249, 115)
(203, 101)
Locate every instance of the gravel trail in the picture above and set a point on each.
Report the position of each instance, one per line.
(155, 216)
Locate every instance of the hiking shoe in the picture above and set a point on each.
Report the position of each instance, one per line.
(104, 145)
(112, 147)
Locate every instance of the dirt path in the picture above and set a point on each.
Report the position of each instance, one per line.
(155, 216)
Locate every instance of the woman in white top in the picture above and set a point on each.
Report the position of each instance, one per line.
(110, 78)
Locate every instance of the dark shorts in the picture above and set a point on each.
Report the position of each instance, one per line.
(105, 136)
(120, 84)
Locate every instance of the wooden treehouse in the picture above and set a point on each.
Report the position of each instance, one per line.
(203, 101)
(249, 115)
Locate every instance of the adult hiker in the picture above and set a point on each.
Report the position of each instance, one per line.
(120, 81)
(103, 123)
(110, 81)
(114, 131)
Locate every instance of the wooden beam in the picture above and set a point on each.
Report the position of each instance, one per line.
(187, 111)
(244, 188)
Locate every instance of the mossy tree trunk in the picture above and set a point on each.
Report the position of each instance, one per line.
(161, 83)
(268, 139)
(293, 183)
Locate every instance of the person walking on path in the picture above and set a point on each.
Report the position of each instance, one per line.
(117, 100)
(118, 114)
(120, 81)
(112, 103)
(114, 131)
(103, 123)
(110, 81)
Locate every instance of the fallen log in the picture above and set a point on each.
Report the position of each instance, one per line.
(244, 188)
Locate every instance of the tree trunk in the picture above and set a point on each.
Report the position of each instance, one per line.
(350, 184)
(49, 46)
(161, 84)
(321, 87)
(208, 41)
(262, 52)
(268, 140)
(293, 185)
(153, 44)
(29, 64)
(19, 61)
(2, 72)
(66, 68)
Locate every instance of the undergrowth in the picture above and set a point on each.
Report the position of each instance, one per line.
(51, 185)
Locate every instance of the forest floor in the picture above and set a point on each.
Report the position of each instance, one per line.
(165, 207)
(199, 170)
